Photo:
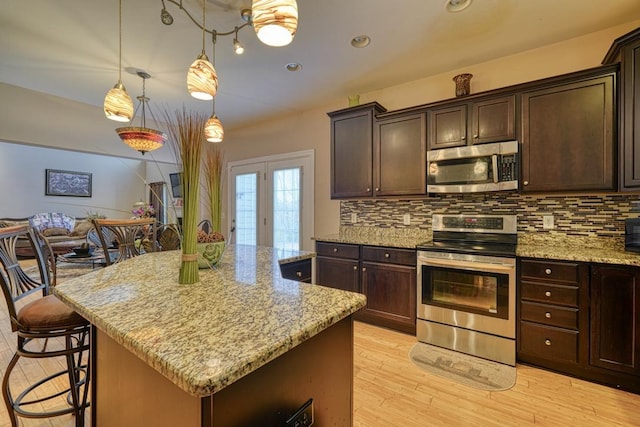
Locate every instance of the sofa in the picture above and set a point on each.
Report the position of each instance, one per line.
(63, 232)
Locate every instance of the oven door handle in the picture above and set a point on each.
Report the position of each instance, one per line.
(466, 265)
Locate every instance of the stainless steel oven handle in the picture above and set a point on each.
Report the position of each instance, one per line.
(494, 166)
(465, 265)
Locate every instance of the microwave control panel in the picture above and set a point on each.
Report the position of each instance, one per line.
(508, 169)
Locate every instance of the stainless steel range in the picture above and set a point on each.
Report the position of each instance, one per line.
(466, 286)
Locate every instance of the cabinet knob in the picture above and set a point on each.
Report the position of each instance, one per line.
(463, 137)
(335, 249)
(547, 315)
(355, 267)
(364, 268)
(525, 183)
(547, 271)
(368, 189)
(387, 255)
(547, 294)
(547, 342)
(475, 136)
(299, 273)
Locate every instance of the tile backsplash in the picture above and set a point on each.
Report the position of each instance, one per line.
(578, 215)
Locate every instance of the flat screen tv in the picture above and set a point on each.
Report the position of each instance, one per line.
(176, 187)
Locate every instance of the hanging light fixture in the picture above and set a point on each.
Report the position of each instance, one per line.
(142, 138)
(238, 47)
(213, 130)
(202, 81)
(118, 105)
(275, 21)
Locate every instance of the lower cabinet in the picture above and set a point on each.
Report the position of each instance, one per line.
(581, 319)
(387, 276)
(297, 270)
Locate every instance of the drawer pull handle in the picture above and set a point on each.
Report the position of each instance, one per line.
(335, 249)
(299, 273)
(547, 315)
(547, 342)
(547, 294)
(548, 271)
(387, 255)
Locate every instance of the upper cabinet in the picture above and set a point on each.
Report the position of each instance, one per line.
(626, 51)
(568, 134)
(480, 121)
(352, 151)
(373, 156)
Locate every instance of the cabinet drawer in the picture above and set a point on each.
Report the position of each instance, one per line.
(389, 255)
(297, 270)
(549, 342)
(338, 250)
(549, 315)
(550, 270)
(550, 294)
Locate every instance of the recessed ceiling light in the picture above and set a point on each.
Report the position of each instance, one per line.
(456, 5)
(360, 41)
(293, 66)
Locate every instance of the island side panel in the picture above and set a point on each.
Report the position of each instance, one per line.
(320, 368)
(128, 392)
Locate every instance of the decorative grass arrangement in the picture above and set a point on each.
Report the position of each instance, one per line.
(187, 138)
(213, 163)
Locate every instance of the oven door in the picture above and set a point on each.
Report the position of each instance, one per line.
(469, 291)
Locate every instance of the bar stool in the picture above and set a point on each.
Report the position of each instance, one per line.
(46, 327)
(131, 237)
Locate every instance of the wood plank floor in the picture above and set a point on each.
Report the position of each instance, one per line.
(390, 391)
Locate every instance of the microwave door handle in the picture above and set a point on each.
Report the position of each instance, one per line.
(473, 266)
(494, 166)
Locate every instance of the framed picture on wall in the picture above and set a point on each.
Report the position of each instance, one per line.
(67, 183)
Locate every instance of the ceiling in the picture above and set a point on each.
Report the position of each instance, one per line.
(69, 48)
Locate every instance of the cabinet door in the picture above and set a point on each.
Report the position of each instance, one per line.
(567, 136)
(391, 295)
(447, 127)
(615, 318)
(352, 154)
(629, 120)
(493, 120)
(338, 273)
(400, 156)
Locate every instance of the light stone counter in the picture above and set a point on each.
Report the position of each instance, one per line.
(205, 336)
(407, 238)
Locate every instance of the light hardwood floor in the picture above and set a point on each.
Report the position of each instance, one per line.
(390, 391)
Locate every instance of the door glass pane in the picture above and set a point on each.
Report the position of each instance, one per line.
(246, 209)
(286, 208)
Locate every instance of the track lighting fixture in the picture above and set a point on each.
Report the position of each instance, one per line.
(238, 47)
(213, 130)
(165, 16)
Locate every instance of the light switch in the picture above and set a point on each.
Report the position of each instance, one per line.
(547, 222)
(406, 219)
(354, 218)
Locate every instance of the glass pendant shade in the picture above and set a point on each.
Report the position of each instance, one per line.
(213, 129)
(275, 21)
(202, 80)
(142, 139)
(118, 105)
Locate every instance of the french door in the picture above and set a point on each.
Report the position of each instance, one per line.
(271, 201)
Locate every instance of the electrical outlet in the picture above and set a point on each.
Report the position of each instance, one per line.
(547, 222)
(406, 219)
(354, 218)
(303, 416)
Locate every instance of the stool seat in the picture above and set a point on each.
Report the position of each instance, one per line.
(49, 313)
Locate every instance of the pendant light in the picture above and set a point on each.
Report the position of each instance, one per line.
(118, 105)
(142, 138)
(213, 130)
(202, 81)
(275, 21)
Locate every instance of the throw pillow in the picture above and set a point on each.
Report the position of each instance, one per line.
(81, 229)
(55, 231)
(40, 221)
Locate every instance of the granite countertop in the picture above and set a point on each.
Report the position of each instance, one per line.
(241, 315)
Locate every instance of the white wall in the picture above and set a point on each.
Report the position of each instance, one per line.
(116, 182)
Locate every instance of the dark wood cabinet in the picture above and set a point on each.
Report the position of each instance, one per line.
(615, 318)
(387, 276)
(475, 122)
(297, 270)
(626, 51)
(352, 151)
(338, 266)
(389, 282)
(568, 134)
(400, 155)
(553, 314)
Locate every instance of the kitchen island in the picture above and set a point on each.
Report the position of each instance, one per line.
(241, 347)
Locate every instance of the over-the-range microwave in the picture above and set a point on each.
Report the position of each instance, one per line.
(472, 169)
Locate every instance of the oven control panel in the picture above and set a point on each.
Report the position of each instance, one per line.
(475, 223)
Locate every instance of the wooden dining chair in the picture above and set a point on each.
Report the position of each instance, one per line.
(127, 237)
(169, 237)
(46, 328)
